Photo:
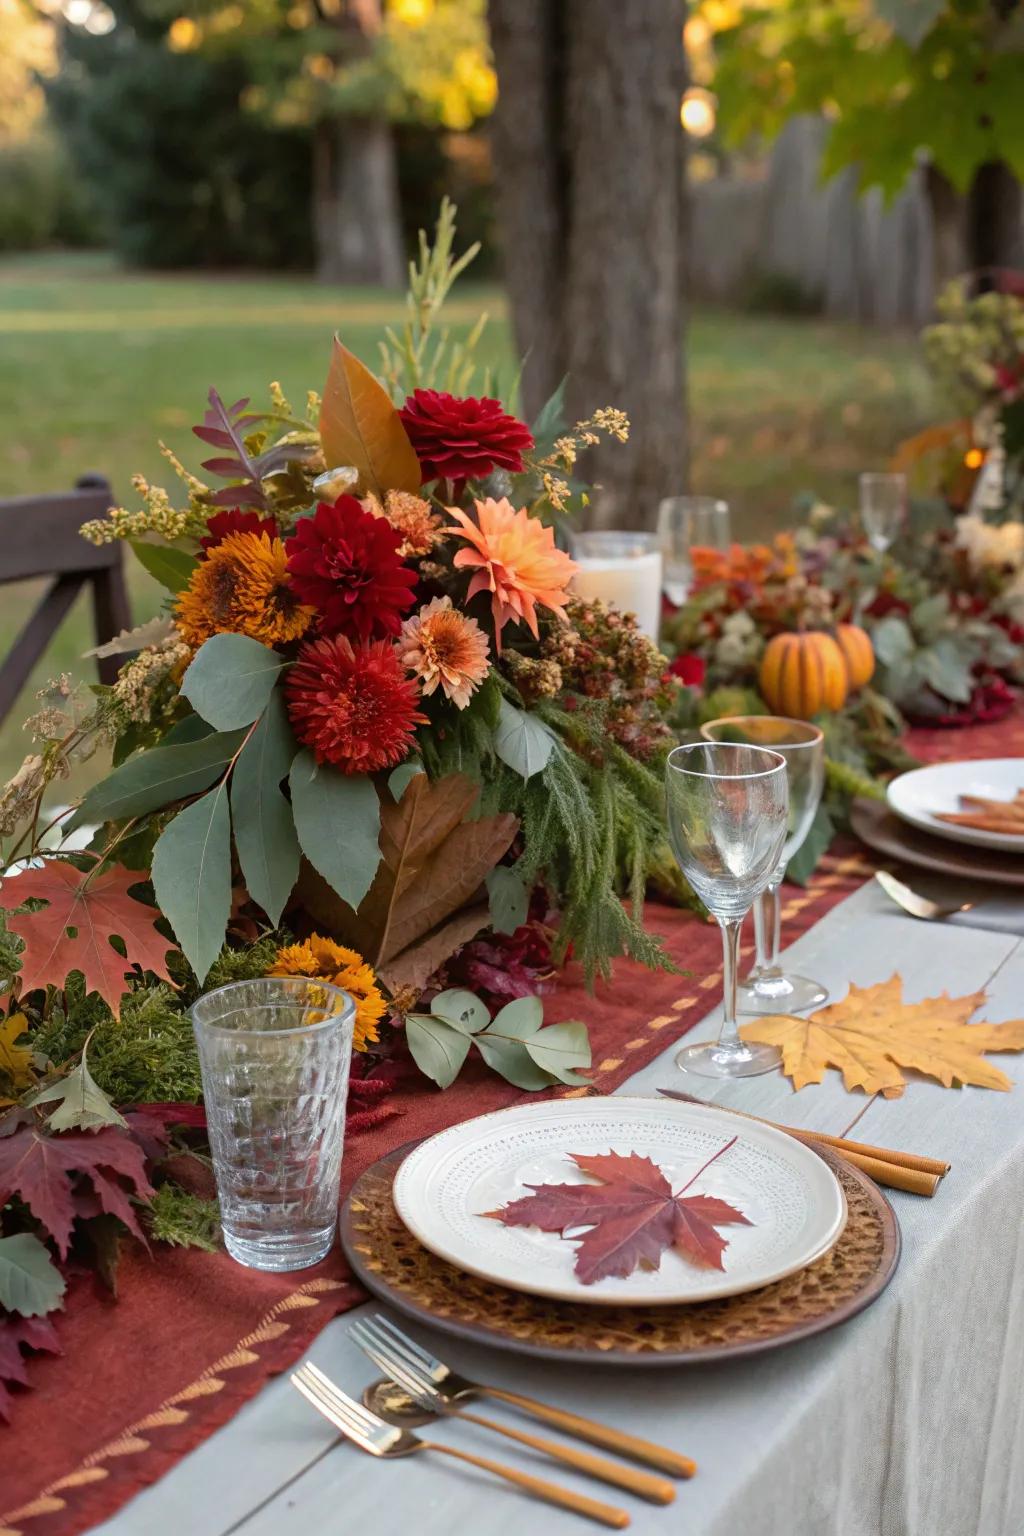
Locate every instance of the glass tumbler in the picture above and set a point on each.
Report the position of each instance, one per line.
(275, 1057)
(768, 988)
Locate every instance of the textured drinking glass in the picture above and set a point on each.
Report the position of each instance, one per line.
(883, 506)
(683, 522)
(727, 810)
(275, 1058)
(768, 989)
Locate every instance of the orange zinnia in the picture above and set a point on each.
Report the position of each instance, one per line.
(242, 586)
(444, 648)
(516, 560)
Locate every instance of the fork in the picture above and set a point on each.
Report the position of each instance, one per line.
(371, 1434)
(453, 1390)
(374, 1342)
(916, 904)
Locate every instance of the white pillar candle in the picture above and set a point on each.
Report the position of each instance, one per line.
(622, 570)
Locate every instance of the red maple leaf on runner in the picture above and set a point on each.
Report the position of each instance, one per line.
(632, 1214)
(16, 1334)
(73, 932)
(42, 1170)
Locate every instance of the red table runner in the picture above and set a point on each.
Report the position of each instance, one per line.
(192, 1336)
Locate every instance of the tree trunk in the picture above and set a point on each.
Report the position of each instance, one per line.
(591, 162)
(949, 251)
(356, 211)
(994, 211)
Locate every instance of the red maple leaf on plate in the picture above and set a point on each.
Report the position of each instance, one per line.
(41, 1170)
(632, 1215)
(73, 932)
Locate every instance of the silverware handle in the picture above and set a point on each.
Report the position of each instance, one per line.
(644, 1484)
(604, 1514)
(600, 1434)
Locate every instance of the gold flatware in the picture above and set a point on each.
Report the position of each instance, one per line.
(371, 1434)
(914, 903)
(455, 1390)
(896, 1170)
(419, 1393)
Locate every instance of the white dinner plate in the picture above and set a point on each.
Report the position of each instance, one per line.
(915, 797)
(792, 1198)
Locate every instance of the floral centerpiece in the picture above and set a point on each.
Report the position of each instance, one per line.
(371, 736)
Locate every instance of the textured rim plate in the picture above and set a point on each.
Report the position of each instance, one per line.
(883, 832)
(918, 796)
(792, 1198)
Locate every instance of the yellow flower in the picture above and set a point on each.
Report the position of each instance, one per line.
(345, 968)
(242, 586)
(445, 648)
(516, 560)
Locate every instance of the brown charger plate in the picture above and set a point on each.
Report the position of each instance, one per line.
(876, 825)
(394, 1266)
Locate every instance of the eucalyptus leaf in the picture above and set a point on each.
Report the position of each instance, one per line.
(82, 1104)
(522, 741)
(512, 1060)
(265, 837)
(559, 1048)
(892, 640)
(401, 777)
(30, 1282)
(156, 778)
(520, 1018)
(929, 615)
(172, 568)
(337, 818)
(948, 671)
(461, 1008)
(508, 899)
(230, 679)
(437, 1047)
(192, 877)
(804, 862)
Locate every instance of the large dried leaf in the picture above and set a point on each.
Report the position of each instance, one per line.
(360, 427)
(872, 1033)
(73, 932)
(426, 898)
(632, 1215)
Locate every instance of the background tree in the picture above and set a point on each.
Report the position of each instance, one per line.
(899, 80)
(589, 157)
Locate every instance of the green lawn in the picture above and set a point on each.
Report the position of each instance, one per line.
(96, 365)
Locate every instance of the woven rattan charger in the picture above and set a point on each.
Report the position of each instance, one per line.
(394, 1266)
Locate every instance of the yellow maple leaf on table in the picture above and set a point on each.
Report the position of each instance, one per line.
(872, 1033)
(15, 1059)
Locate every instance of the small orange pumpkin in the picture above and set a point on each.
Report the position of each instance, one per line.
(803, 674)
(858, 653)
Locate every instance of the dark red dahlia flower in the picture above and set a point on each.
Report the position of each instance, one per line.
(345, 562)
(463, 439)
(234, 521)
(689, 668)
(354, 705)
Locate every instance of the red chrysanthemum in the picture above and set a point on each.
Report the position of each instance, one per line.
(221, 524)
(345, 562)
(463, 439)
(353, 705)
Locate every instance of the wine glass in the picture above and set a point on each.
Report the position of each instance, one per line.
(684, 521)
(727, 807)
(768, 989)
(883, 506)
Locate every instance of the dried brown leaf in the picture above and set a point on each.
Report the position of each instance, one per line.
(360, 426)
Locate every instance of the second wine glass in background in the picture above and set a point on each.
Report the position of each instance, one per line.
(883, 507)
(686, 522)
(768, 989)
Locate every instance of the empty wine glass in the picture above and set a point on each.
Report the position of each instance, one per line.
(727, 806)
(685, 521)
(883, 506)
(768, 989)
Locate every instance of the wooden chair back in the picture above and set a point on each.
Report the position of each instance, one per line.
(39, 537)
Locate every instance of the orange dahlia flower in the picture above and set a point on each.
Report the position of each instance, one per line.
(345, 968)
(516, 560)
(242, 586)
(445, 648)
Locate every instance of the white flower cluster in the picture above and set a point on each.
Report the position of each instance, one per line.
(740, 644)
(989, 546)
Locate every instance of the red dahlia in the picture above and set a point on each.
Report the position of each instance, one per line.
(463, 439)
(234, 521)
(353, 705)
(345, 562)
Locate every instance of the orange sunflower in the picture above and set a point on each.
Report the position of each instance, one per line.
(516, 560)
(444, 648)
(345, 968)
(242, 586)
